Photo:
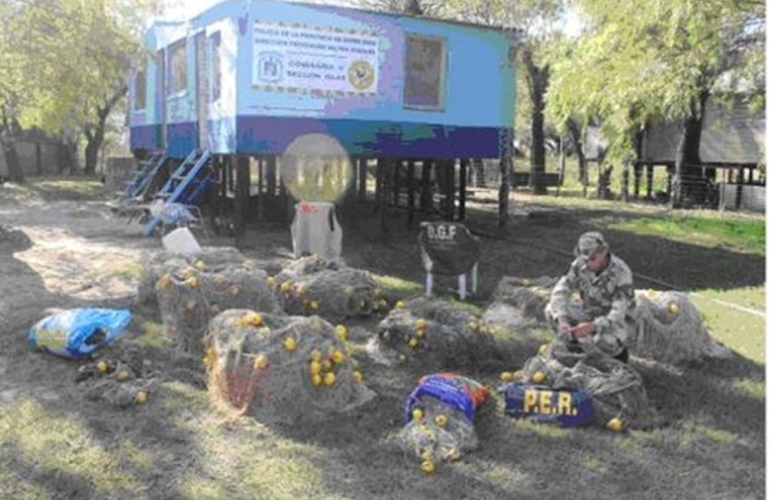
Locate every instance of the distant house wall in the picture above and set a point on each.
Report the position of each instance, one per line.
(752, 197)
(731, 136)
(37, 157)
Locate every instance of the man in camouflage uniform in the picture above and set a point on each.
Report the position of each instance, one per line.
(604, 316)
(594, 333)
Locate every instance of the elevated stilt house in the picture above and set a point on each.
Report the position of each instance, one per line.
(732, 149)
(408, 99)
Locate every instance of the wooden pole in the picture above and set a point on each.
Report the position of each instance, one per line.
(410, 191)
(271, 173)
(384, 169)
(361, 163)
(425, 194)
(463, 180)
(241, 187)
(650, 175)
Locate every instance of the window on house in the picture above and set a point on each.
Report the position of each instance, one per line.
(216, 66)
(178, 66)
(425, 67)
(140, 90)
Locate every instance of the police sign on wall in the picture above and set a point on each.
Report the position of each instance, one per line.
(448, 248)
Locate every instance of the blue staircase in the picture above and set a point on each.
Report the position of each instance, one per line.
(187, 185)
(136, 187)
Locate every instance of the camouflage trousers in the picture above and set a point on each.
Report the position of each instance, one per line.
(612, 342)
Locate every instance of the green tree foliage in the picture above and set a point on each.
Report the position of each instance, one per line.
(638, 62)
(70, 60)
(429, 8)
(15, 90)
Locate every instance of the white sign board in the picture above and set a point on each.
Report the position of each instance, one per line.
(314, 60)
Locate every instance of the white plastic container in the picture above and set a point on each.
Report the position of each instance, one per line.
(182, 241)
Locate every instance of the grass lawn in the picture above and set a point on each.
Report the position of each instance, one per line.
(57, 441)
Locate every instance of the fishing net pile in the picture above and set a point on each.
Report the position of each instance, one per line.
(440, 414)
(671, 329)
(436, 336)
(313, 285)
(616, 388)
(120, 380)
(190, 290)
(518, 303)
(157, 264)
(281, 368)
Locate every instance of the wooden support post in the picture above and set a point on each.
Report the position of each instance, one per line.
(385, 173)
(441, 178)
(410, 191)
(396, 186)
(463, 180)
(231, 166)
(242, 183)
(261, 188)
(361, 164)
(449, 167)
(739, 189)
(637, 180)
(506, 168)
(378, 181)
(650, 174)
(425, 188)
(270, 174)
(220, 190)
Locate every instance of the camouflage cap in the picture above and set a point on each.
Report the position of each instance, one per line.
(589, 243)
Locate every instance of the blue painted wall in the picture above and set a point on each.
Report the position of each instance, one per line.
(478, 92)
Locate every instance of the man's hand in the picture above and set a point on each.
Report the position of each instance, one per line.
(582, 330)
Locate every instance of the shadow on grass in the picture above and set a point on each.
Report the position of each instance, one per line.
(541, 245)
(358, 458)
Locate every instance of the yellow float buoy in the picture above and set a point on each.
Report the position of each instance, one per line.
(616, 425)
(290, 344)
(260, 362)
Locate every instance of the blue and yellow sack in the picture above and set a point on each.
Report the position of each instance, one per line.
(76, 333)
(540, 403)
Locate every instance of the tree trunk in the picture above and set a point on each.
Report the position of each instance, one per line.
(9, 128)
(93, 144)
(15, 172)
(577, 139)
(686, 187)
(504, 193)
(537, 80)
(95, 134)
(506, 164)
(414, 8)
(68, 159)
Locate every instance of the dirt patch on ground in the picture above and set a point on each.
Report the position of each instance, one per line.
(68, 250)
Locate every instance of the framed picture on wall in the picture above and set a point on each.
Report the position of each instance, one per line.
(424, 72)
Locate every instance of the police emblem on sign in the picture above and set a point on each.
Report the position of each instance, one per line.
(270, 67)
(361, 74)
